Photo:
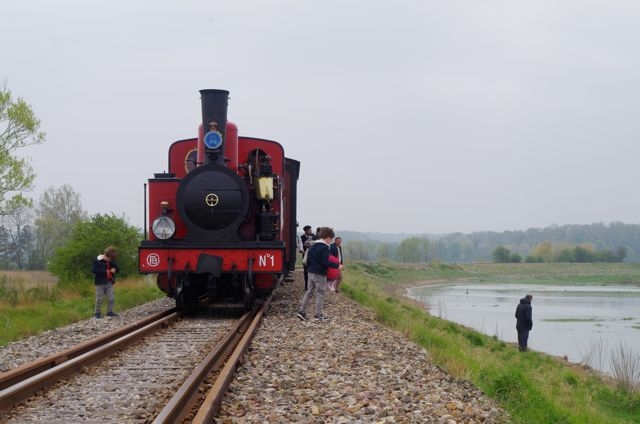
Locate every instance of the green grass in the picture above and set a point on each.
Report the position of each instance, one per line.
(532, 387)
(31, 309)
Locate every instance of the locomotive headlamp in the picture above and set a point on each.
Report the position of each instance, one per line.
(213, 139)
(163, 227)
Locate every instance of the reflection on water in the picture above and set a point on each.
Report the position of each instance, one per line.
(574, 321)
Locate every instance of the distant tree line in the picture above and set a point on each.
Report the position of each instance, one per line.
(58, 235)
(547, 252)
(596, 242)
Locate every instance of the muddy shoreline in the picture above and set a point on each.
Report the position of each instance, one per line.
(399, 290)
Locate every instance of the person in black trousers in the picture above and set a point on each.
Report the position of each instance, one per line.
(524, 323)
(306, 239)
(335, 249)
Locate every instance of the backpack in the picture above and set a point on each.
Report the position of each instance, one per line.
(304, 257)
(306, 252)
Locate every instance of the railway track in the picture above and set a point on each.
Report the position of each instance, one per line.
(134, 374)
(189, 403)
(20, 383)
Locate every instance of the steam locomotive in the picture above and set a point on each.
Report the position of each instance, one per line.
(221, 222)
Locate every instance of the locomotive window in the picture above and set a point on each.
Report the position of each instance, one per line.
(256, 159)
(190, 160)
(256, 155)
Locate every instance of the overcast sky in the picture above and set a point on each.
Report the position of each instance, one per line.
(407, 116)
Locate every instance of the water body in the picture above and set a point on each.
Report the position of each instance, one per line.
(576, 321)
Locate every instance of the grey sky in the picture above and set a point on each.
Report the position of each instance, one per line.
(407, 116)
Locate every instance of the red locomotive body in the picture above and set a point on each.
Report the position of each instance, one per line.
(222, 220)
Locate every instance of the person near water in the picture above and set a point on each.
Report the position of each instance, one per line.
(524, 321)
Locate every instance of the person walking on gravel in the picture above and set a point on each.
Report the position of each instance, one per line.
(524, 323)
(335, 249)
(104, 268)
(317, 264)
(307, 240)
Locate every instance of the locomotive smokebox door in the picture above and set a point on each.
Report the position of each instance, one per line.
(212, 201)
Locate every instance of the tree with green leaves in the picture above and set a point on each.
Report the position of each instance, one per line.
(19, 128)
(413, 250)
(71, 263)
(501, 255)
(515, 258)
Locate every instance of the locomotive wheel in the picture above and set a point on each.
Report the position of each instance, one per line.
(249, 295)
(180, 295)
(184, 296)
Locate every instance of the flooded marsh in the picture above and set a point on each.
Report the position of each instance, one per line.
(586, 323)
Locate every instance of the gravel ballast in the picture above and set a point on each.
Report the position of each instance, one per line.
(349, 369)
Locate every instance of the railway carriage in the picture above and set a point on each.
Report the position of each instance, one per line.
(221, 221)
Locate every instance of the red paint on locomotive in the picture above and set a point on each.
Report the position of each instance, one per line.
(162, 194)
(182, 157)
(262, 260)
(231, 146)
(222, 220)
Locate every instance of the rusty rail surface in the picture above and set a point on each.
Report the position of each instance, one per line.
(11, 377)
(20, 383)
(228, 353)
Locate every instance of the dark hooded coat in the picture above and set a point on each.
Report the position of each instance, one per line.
(524, 315)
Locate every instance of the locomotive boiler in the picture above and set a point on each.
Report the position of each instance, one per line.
(221, 221)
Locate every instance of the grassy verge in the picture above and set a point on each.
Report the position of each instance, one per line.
(533, 387)
(29, 306)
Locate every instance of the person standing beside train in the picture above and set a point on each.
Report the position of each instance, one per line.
(306, 239)
(104, 268)
(318, 263)
(299, 245)
(335, 249)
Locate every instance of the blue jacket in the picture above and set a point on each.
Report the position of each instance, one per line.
(99, 269)
(318, 258)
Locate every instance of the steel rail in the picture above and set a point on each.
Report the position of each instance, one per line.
(14, 376)
(211, 403)
(227, 352)
(26, 387)
(180, 405)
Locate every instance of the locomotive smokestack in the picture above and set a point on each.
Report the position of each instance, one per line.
(214, 123)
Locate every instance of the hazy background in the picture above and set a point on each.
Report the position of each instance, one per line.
(407, 116)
